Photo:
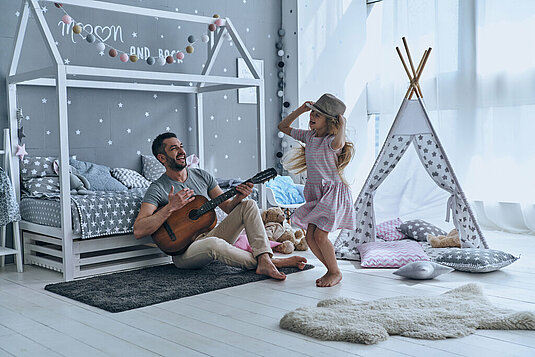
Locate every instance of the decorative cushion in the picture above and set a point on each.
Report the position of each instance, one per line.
(42, 186)
(390, 254)
(388, 230)
(36, 166)
(152, 168)
(418, 229)
(99, 176)
(475, 260)
(130, 178)
(422, 270)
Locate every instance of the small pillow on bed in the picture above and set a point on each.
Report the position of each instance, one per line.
(390, 254)
(130, 178)
(419, 229)
(474, 260)
(152, 168)
(99, 176)
(36, 166)
(42, 186)
(422, 270)
(388, 230)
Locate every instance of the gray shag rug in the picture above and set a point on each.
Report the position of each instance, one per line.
(148, 286)
(456, 313)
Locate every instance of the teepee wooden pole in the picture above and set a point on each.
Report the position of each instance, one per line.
(410, 89)
(406, 70)
(411, 64)
(422, 69)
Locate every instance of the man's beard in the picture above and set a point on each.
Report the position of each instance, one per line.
(173, 165)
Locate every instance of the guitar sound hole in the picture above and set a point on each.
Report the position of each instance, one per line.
(194, 214)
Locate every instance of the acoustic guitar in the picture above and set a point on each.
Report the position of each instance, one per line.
(198, 216)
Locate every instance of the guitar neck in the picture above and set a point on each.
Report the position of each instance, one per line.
(210, 205)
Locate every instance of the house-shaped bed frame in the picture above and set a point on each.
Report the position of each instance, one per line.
(59, 248)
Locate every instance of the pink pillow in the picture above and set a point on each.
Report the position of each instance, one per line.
(388, 230)
(390, 254)
(243, 243)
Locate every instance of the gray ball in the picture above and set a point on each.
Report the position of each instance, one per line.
(191, 39)
(282, 32)
(150, 61)
(279, 45)
(90, 38)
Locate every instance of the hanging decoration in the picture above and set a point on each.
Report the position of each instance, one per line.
(125, 56)
(279, 46)
(21, 150)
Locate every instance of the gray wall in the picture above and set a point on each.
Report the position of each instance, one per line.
(95, 118)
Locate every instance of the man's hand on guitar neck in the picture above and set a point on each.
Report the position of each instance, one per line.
(179, 199)
(244, 190)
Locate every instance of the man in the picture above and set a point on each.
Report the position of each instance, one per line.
(176, 188)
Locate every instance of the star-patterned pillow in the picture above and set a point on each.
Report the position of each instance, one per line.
(41, 186)
(474, 260)
(419, 229)
(152, 168)
(36, 166)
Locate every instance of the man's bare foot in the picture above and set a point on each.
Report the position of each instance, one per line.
(290, 262)
(329, 279)
(266, 267)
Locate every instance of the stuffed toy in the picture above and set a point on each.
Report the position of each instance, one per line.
(278, 230)
(79, 184)
(449, 240)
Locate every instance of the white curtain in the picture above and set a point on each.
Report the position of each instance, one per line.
(479, 88)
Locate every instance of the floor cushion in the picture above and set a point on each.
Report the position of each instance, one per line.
(390, 254)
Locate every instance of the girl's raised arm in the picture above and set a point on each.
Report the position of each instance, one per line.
(284, 125)
(340, 138)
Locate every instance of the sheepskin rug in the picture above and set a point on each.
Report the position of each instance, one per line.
(456, 313)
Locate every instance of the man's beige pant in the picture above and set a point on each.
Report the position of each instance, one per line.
(217, 244)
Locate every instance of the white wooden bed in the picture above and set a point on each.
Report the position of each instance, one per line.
(59, 248)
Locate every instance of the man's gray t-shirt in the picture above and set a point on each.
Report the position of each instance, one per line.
(200, 181)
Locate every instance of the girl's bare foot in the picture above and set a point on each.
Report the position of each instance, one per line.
(329, 279)
(290, 262)
(266, 267)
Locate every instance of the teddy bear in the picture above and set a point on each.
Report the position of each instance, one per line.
(279, 230)
(449, 240)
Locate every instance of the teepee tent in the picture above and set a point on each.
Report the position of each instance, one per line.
(411, 125)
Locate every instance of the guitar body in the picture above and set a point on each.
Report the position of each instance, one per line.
(179, 231)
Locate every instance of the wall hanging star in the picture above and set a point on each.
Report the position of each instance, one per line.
(20, 133)
(21, 151)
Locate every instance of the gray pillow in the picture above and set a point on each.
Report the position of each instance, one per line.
(36, 166)
(475, 260)
(99, 176)
(152, 168)
(47, 186)
(418, 229)
(422, 270)
(130, 178)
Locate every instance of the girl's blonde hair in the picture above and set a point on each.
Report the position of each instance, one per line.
(295, 162)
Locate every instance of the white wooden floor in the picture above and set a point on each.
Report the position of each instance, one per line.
(243, 320)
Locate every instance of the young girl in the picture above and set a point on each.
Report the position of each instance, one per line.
(329, 205)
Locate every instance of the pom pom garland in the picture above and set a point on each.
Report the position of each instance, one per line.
(100, 45)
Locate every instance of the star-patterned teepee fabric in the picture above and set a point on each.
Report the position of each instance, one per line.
(411, 125)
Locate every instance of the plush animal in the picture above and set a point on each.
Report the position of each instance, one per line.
(279, 230)
(449, 240)
(78, 183)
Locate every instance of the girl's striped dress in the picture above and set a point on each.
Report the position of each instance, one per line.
(329, 204)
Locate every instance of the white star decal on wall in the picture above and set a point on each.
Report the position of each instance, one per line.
(128, 130)
(215, 136)
(100, 120)
(190, 84)
(226, 156)
(190, 128)
(147, 114)
(56, 42)
(66, 60)
(253, 48)
(110, 142)
(138, 152)
(224, 70)
(120, 105)
(17, 13)
(43, 100)
(45, 9)
(211, 117)
(239, 141)
(179, 27)
(215, 170)
(77, 132)
(27, 117)
(69, 102)
(247, 29)
(148, 140)
(101, 53)
(225, 96)
(176, 110)
(155, 96)
(48, 132)
(167, 128)
(239, 118)
(134, 34)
